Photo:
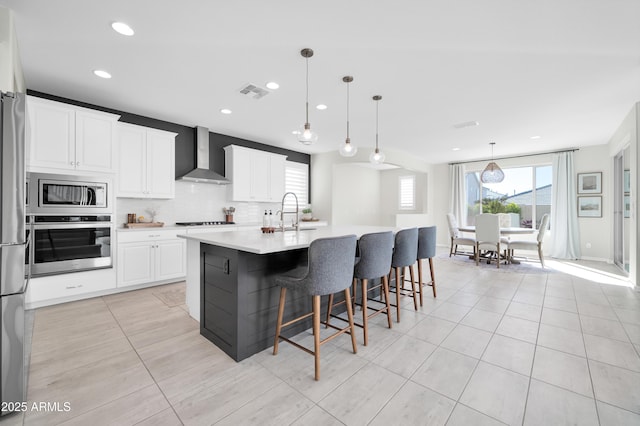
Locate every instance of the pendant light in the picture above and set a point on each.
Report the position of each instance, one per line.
(492, 173)
(377, 157)
(347, 149)
(305, 135)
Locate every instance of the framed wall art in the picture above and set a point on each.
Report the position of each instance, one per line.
(590, 206)
(590, 183)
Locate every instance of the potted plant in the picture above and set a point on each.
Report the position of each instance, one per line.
(307, 214)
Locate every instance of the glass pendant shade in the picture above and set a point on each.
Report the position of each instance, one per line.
(307, 136)
(492, 174)
(347, 149)
(376, 157)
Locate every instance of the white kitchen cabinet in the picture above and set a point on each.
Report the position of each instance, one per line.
(255, 175)
(150, 256)
(65, 137)
(146, 162)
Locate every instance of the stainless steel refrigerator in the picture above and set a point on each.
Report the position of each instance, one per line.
(13, 246)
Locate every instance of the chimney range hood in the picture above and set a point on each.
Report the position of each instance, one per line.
(202, 173)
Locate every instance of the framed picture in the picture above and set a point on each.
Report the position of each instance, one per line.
(590, 183)
(590, 206)
(627, 181)
(627, 206)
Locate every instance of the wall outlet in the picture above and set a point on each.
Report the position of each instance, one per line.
(588, 245)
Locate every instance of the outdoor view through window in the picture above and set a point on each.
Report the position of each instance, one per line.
(524, 194)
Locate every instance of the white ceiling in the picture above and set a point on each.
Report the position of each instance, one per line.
(565, 70)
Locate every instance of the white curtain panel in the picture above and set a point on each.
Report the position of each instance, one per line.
(458, 193)
(565, 233)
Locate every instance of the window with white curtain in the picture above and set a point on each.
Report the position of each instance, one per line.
(407, 191)
(296, 180)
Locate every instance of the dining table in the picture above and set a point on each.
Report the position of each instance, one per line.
(511, 230)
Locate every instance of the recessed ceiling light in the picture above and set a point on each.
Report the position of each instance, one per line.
(535, 137)
(272, 85)
(226, 111)
(122, 28)
(102, 74)
(455, 149)
(321, 107)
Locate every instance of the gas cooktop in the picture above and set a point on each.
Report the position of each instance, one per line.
(210, 222)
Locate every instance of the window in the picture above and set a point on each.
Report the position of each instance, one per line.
(407, 192)
(296, 180)
(525, 194)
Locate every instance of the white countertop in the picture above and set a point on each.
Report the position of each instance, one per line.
(254, 241)
(173, 227)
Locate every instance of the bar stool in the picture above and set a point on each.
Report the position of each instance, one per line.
(375, 250)
(405, 253)
(330, 270)
(426, 250)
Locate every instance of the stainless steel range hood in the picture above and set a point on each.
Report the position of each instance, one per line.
(202, 173)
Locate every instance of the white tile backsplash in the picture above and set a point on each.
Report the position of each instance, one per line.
(193, 202)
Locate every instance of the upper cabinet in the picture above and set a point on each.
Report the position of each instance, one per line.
(255, 175)
(146, 162)
(69, 138)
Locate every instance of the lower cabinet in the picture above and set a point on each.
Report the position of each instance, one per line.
(150, 256)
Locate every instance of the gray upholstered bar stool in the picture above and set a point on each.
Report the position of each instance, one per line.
(426, 250)
(330, 270)
(375, 252)
(405, 253)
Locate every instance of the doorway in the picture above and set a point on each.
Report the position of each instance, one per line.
(621, 210)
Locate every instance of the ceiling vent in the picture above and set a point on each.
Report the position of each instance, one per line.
(253, 91)
(466, 124)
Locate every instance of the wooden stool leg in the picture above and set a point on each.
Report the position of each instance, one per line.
(283, 293)
(420, 279)
(365, 320)
(433, 277)
(385, 288)
(329, 307)
(352, 327)
(413, 287)
(316, 334)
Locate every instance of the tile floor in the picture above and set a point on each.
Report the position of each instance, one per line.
(511, 346)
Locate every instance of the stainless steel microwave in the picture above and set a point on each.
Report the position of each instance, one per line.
(69, 194)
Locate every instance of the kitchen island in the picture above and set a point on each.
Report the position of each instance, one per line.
(229, 288)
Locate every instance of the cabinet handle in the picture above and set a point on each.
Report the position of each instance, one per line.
(71, 163)
(78, 163)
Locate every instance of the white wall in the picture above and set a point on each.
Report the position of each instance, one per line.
(356, 195)
(391, 215)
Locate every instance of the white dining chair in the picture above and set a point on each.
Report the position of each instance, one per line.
(488, 236)
(456, 237)
(532, 245)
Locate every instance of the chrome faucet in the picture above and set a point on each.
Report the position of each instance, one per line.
(296, 221)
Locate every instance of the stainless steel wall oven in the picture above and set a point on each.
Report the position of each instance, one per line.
(62, 244)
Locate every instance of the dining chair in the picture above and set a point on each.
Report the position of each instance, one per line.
(329, 271)
(488, 236)
(532, 245)
(456, 237)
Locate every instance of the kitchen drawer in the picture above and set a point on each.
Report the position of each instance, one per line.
(148, 235)
(69, 285)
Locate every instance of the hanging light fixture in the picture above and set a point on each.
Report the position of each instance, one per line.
(376, 157)
(305, 135)
(492, 173)
(347, 149)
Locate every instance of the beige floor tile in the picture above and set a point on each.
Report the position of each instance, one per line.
(465, 416)
(631, 316)
(633, 331)
(610, 415)
(465, 299)
(497, 392)
(127, 410)
(451, 312)
(467, 340)
(405, 355)
(518, 329)
(512, 354)
(550, 405)
(564, 370)
(280, 405)
(561, 339)
(529, 298)
(445, 372)
(524, 311)
(166, 417)
(174, 324)
(415, 405)
(596, 310)
(614, 352)
(558, 318)
(481, 319)
(317, 417)
(560, 303)
(432, 330)
(616, 386)
(357, 400)
(492, 304)
(14, 419)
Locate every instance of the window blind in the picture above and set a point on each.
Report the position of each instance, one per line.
(407, 192)
(296, 180)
